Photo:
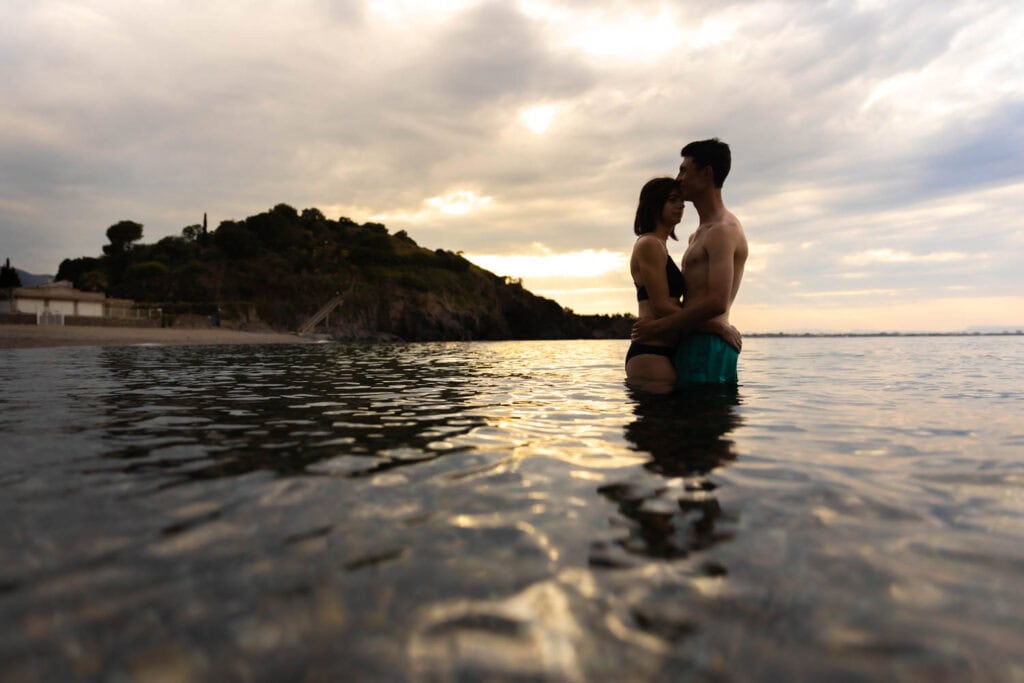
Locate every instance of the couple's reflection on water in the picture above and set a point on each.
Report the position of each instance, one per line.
(677, 513)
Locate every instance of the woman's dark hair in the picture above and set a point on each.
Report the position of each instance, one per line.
(653, 196)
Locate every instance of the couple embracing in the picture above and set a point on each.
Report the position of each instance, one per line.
(683, 336)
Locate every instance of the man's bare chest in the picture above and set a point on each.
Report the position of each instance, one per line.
(696, 253)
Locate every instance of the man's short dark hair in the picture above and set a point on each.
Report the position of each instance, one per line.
(713, 153)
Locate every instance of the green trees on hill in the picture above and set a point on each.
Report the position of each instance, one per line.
(121, 236)
(285, 264)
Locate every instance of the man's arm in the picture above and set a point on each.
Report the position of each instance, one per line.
(720, 246)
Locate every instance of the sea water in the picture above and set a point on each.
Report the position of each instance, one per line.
(511, 511)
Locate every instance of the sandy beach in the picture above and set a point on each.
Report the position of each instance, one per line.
(37, 336)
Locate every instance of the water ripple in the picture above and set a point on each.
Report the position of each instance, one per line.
(509, 511)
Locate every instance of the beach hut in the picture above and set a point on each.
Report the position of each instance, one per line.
(51, 302)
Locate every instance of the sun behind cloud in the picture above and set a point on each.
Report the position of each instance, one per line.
(451, 204)
(538, 118)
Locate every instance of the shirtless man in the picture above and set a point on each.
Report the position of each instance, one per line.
(713, 267)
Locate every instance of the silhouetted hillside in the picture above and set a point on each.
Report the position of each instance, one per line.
(279, 267)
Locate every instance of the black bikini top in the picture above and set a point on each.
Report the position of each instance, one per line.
(676, 282)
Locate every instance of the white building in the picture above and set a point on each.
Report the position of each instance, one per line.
(55, 300)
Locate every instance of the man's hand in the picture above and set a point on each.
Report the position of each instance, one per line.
(645, 328)
(729, 334)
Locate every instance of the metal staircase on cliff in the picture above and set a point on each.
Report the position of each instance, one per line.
(324, 311)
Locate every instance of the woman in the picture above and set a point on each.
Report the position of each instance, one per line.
(659, 286)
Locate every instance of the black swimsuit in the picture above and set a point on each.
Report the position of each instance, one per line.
(676, 289)
(637, 349)
(676, 282)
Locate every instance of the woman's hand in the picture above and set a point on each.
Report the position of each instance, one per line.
(729, 334)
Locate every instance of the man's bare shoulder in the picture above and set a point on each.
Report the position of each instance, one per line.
(725, 235)
(737, 237)
(727, 227)
(728, 222)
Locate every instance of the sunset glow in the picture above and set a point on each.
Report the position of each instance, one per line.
(521, 132)
(458, 202)
(578, 264)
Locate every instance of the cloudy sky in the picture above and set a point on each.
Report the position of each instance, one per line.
(878, 147)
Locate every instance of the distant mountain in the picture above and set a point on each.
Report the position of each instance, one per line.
(30, 280)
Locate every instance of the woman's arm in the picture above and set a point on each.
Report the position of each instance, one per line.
(650, 261)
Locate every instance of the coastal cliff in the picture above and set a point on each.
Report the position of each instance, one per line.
(275, 269)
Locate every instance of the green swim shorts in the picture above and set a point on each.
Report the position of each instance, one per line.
(705, 359)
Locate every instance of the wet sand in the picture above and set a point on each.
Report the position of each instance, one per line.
(37, 336)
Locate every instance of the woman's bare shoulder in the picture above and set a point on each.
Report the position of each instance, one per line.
(649, 245)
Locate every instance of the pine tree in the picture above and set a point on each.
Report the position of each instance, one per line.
(9, 276)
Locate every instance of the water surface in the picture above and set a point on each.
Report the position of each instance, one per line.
(511, 511)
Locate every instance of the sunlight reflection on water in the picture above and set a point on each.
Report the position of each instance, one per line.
(509, 510)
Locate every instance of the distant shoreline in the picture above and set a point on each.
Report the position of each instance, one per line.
(48, 336)
(762, 335)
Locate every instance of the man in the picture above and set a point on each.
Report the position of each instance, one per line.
(713, 266)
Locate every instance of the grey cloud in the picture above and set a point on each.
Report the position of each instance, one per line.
(495, 51)
(979, 153)
(844, 43)
(438, 107)
(26, 169)
(344, 11)
(341, 118)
